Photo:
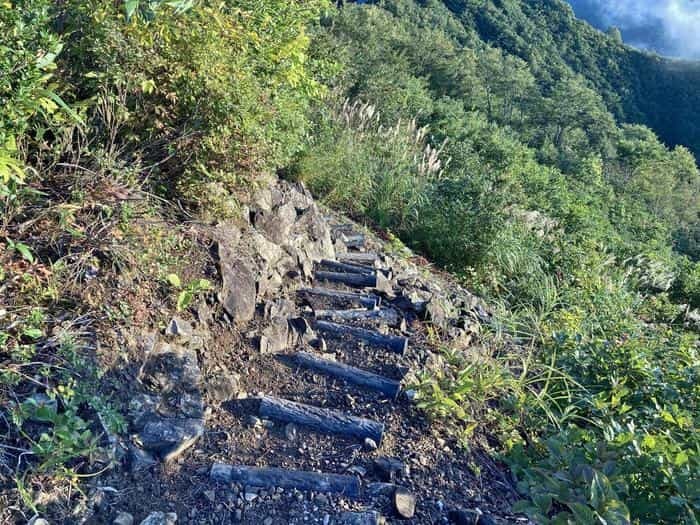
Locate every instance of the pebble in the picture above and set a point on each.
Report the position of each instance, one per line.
(268, 521)
(250, 497)
(370, 444)
(210, 495)
(160, 518)
(291, 432)
(123, 518)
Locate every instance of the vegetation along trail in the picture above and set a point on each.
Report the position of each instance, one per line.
(273, 262)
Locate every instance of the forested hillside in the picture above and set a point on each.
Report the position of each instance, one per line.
(542, 163)
(636, 86)
(528, 183)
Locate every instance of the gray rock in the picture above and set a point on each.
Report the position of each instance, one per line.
(170, 368)
(291, 432)
(276, 224)
(223, 385)
(36, 520)
(360, 518)
(370, 444)
(178, 327)
(436, 313)
(123, 518)
(404, 503)
(238, 291)
(160, 518)
(168, 437)
(275, 336)
(140, 459)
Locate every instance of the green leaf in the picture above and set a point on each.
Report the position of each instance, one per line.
(24, 251)
(60, 103)
(130, 7)
(34, 333)
(184, 300)
(582, 513)
(174, 280)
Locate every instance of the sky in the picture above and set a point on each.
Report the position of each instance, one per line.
(669, 27)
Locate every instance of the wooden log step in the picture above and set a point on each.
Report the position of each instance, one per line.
(343, 299)
(273, 477)
(387, 316)
(360, 518)
(341, 267)
(349, 374)
(365, 259)
(353, 240)
(393, 343)
(320, 419)
(341, 229)
(355, 280)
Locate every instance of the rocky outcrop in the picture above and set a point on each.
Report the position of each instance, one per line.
(286, 235)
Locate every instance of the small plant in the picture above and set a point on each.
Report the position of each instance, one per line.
(189, 292)
(21, 248)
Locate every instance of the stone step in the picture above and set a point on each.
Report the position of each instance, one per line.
(372, 338)
(273, 477)
(349, 374)
(321, 419)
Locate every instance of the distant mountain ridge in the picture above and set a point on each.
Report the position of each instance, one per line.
(637, 86)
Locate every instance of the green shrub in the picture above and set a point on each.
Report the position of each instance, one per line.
(212, 95)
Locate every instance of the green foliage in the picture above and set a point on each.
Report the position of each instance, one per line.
(368, 169)
(567, 221)
(213, 94)
(188, 293)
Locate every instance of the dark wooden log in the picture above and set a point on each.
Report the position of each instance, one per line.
(321, 419)
(386, 342)
(269, 477)
(341, 298)
(365, 259)
(360, 518)
(340, 267)
(355, 280)
(353, 240)
(386, 316)
(350, 374)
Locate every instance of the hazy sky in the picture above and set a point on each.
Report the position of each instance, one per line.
(669, 27)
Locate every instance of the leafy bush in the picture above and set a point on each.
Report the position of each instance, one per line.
(213, 95)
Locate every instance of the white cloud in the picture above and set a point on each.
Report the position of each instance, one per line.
(668, 26)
